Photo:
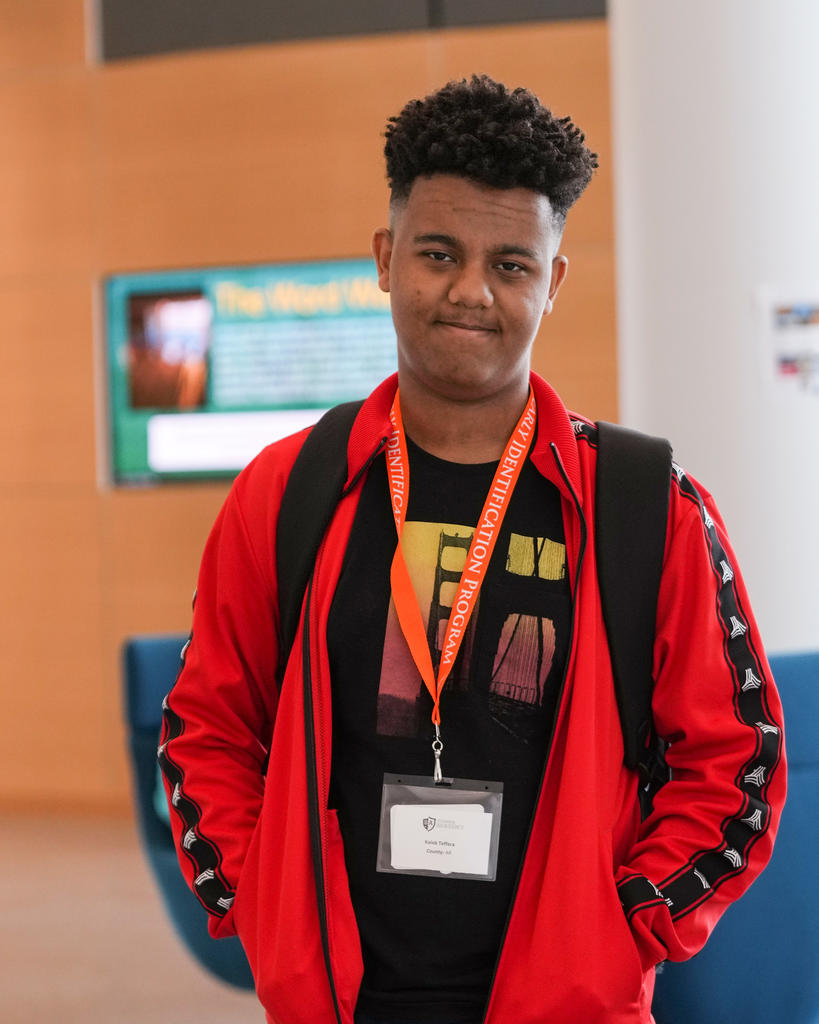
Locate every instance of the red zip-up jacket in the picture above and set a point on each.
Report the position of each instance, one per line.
(601, 898)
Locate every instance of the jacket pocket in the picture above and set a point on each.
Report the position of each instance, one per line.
(245, 903)
(637, 983)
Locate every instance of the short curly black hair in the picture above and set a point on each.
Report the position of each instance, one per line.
(481, 130)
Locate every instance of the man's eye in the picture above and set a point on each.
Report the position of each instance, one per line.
(510, 267)
(438, 256)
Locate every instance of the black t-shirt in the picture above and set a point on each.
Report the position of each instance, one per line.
(430, 944)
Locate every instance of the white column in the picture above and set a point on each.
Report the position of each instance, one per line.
(716, 129)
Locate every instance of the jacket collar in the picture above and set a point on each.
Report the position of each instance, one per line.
(554, 428)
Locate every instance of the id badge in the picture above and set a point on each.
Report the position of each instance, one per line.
(450, 830)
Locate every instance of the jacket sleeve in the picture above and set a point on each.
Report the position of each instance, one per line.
(713, 825)
(219, 715)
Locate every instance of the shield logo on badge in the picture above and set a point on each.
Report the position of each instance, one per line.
(429, 823)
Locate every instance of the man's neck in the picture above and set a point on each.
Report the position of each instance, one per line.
(460, 431)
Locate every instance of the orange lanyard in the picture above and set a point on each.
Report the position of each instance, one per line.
(477, 559)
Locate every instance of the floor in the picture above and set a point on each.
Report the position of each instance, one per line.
(84, 936)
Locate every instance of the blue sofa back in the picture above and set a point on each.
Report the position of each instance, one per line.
(760, 964)
(150, 666)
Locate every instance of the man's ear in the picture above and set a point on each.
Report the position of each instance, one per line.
(560, 267)
(382, 252)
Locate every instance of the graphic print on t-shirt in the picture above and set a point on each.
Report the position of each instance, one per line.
(512, 662)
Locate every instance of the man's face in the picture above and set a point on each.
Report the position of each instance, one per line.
(471, 271)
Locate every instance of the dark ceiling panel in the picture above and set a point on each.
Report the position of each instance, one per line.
(490, 12)
(137, 28)
(134, 28)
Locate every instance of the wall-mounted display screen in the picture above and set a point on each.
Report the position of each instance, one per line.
(208, 366)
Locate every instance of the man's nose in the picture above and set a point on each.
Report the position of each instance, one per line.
(471, 287)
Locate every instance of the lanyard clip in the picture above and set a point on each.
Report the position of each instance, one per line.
(437, 748)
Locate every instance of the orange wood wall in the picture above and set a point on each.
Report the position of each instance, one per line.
(262, 153)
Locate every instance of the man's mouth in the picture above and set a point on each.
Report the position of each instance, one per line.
(467, 326)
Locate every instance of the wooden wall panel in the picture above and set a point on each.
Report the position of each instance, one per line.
(46, 419)
(575, 347)
(256, 154)
(50, 645)
(41, 33)
(46, 219)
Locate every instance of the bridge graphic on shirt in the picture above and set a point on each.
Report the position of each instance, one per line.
(512, 659)
(438, 611)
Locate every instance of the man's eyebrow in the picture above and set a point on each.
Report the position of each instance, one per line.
(452, 242)
(516, 250)
(436, 240)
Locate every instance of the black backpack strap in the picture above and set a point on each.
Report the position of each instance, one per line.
(632, 489)
(313, 490)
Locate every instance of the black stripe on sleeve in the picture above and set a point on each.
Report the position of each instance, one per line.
(696, 881)
(209, 885)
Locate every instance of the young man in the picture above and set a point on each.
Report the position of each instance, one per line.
(305, 807)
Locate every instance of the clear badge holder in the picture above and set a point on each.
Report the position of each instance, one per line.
(448, 829)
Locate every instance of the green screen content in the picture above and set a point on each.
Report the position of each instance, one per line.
(208, 366)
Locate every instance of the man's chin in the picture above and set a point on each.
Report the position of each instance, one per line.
(464, 386)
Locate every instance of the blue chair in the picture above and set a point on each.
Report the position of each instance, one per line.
(151, 664)
(760, 964)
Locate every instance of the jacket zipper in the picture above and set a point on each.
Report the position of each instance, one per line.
(313, 799)
(316, 841)
(580, 556)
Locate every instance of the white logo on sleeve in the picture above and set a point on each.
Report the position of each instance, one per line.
(754, 820)
(751, 681)
(757, 776)
(737, 628)
(665, 899)
(766, 727)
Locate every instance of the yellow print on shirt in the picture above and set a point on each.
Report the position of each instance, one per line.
(536, 556)
(517, 646)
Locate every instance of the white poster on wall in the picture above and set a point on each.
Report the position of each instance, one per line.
(790, 341)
